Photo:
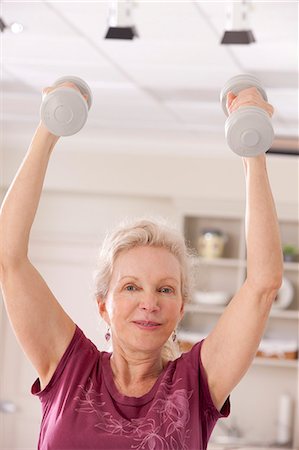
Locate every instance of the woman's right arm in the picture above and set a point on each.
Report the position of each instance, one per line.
(42, 327)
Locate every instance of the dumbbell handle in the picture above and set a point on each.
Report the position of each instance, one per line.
(240, 83)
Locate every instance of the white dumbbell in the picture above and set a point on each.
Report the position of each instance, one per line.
(64, 111)
(248, 130)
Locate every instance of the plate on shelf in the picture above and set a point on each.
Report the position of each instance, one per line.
(211, 297)
(285, 295)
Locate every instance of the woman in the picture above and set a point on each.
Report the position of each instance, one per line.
(135, 398)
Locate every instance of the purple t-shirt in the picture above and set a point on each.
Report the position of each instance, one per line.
(83, 410)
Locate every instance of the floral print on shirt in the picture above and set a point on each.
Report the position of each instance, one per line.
(166, 430)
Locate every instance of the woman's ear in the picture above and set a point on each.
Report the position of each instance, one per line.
(102, 308)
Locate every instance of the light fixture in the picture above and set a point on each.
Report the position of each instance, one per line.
(3, 25)
(237, 27)
(15, 27)
(120, 20)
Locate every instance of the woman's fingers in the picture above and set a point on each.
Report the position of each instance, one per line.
(229, 99)
(248, 97)
(48, 89)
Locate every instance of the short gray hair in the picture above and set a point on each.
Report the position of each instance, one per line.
(137, 232)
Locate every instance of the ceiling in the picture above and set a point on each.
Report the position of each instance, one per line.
(163, 85)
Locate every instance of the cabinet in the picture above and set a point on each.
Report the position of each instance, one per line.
(227, 274)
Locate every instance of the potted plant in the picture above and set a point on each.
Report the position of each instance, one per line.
(290, 253)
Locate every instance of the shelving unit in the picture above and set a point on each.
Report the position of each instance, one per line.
(227, 274)
(206, 309)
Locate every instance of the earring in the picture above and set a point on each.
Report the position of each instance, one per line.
(108, 335)
(174, 336)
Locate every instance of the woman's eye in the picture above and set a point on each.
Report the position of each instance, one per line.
(130, 287)
(167, 290)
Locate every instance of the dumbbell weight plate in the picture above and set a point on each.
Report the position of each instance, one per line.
(64, 111)
(81, 84)
(249, 131)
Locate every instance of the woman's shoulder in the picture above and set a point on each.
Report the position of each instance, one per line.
(191, 357)
(80, 357)
(185, 367)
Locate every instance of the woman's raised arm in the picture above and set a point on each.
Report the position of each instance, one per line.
(39, 322)
(231, 346)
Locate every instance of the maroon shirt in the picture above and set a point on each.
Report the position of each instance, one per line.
(83, 410)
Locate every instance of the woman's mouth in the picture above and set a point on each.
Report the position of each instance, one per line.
(147, 325)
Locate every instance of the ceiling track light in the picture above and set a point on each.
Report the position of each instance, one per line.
(3, 25)
(237, 30)
(14, 27)
(120, 20)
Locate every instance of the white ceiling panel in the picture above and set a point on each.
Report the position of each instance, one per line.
(88, 18)
(173, 21)
(189, 77)
(34, 74)
(207, 115)
(284, 55)
(167, 79)
(48, 49)
(129, 105)
(178, 53)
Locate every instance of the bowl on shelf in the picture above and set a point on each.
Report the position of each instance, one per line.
(215, 298)
(285, 295)
(278, 348)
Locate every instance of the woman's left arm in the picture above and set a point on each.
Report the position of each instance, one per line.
(231, 346)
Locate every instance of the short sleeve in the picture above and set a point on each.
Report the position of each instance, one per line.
(205, 395)
(79, 351)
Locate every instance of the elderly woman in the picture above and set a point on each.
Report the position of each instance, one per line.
(136, 397)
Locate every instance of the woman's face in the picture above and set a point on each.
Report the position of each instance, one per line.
(144, 302)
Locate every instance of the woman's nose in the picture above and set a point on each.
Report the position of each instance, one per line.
(149, 302)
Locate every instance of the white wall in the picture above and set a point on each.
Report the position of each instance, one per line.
(75, 168)
(87, 192)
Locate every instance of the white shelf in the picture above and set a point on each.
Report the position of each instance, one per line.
(284, 314)
(273, 362)
(220, 262)
(235, 262)
(204, 309)
(207, 309)
(294, 266)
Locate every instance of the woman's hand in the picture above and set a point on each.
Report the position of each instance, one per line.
(248, 97)
(67, 84)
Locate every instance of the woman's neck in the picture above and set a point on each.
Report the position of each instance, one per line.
(135, 371)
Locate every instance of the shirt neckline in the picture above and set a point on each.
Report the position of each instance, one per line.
(121, 398)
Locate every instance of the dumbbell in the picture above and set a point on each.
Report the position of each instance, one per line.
(64, 111)
(248, 130)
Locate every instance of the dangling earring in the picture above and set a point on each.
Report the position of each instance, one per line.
(108, 335)
(174, 335)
